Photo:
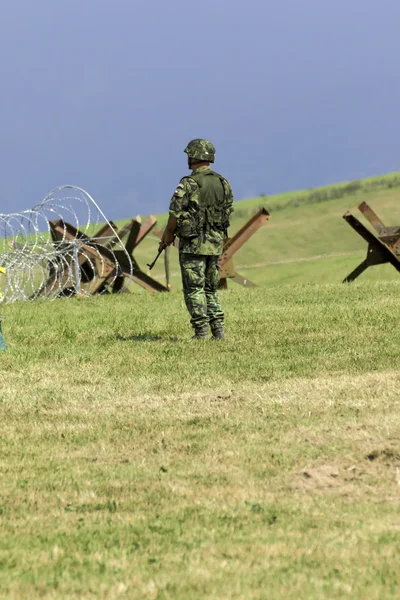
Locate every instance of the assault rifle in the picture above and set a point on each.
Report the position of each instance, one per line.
(155, 260)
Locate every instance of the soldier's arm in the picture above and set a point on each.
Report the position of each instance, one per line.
(229, 199)
(169, 232)
(177, 205)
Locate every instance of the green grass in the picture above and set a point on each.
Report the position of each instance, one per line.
(303, 225)
(139, 464)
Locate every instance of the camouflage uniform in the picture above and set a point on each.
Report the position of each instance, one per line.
(200, 249)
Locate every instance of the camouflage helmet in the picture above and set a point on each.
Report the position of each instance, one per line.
(201, 150)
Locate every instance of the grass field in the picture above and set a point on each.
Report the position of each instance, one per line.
(136, 463)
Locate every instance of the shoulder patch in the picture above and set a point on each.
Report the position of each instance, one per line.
(180, 190)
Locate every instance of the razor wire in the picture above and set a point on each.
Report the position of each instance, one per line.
(52, 250)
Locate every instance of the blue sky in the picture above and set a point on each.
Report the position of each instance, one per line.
(105, 94)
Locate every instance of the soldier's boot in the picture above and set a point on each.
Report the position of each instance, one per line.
(218, 333)
(3, 345)
(200, 333)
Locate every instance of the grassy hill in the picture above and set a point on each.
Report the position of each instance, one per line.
(304, 229)
(137, 463)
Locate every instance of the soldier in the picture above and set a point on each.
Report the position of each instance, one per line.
(199, 215)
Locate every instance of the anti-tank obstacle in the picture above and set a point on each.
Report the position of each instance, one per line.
(233, 244)
(96, 265)
(65, 246)
(382, 248)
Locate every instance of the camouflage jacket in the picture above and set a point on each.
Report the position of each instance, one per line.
(186, 198)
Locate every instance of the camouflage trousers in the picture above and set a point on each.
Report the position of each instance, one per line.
(200, 279)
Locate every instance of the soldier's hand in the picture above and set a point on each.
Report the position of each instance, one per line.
(161, 246)
(168, 238)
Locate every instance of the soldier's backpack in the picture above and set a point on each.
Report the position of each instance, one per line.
(215, 203)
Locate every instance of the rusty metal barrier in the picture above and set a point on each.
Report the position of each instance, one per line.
(233, 244)
(382, 248)
(65, 246)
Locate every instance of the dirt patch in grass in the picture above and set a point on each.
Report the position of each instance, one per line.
(387, 456)
(377, 474)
